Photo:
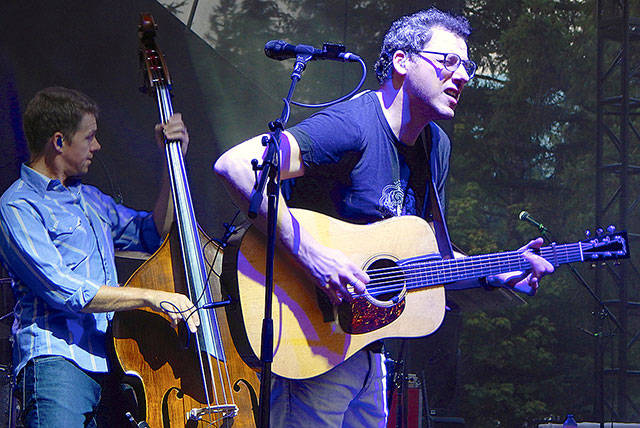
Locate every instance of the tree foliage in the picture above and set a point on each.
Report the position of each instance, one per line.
(524, 141)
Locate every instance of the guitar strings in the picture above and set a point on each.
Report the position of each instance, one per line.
(162, 91)
(399, 281)
(449, 265)
(419, 272)
(393, 279)
(154, 65)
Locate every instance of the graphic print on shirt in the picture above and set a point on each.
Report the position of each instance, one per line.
(394, 201)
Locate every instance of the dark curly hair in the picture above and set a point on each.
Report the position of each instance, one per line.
(51, 110)
(410, 33)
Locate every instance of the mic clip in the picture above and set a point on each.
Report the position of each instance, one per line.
(332, 50)
(300, 65)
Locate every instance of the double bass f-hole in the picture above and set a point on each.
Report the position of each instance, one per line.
(208, 383)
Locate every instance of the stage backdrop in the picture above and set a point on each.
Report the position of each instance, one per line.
(224, 85)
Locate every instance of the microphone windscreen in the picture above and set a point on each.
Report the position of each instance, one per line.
(275, 49)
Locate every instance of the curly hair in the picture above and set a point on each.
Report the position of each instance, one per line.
(410, 33)
(51, 110)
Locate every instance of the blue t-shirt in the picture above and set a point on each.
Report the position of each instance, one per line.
(357, 170)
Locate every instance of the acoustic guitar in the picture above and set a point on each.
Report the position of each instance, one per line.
(405, 297)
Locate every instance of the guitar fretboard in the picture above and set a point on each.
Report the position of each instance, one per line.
(435, 272)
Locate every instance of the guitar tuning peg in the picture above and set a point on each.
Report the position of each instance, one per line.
(599, 231)
(587, 234)
(611, 228)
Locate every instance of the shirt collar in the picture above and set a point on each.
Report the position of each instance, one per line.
(41, 183)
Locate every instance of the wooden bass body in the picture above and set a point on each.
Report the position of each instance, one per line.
(150, 350)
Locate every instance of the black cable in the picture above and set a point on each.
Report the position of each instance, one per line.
(349, 95)
(117, 192)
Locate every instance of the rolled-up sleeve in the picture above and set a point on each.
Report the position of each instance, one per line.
(31, 255)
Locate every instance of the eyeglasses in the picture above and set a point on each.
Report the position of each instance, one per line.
(452, 62)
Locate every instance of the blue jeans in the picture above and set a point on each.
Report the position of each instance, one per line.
(55, 393)
(351, 395)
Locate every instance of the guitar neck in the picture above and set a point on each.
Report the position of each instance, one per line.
(435, 272)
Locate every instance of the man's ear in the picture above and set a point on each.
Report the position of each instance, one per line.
(400, 59)
(58, 141)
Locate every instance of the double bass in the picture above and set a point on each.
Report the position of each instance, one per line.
(181, 380)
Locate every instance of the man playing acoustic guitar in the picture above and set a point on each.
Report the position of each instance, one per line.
(366, 157)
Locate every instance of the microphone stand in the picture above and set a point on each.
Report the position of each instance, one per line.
(270, 176)
(602, 314)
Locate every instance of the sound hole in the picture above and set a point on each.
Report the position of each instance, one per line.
(387, 280)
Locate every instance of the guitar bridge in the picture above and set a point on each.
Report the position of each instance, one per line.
(226, 410)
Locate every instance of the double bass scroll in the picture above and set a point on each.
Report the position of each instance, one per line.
(206, 383)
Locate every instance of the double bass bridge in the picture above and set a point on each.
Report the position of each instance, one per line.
(225, 410)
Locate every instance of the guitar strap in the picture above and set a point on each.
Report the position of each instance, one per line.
(472, 298)
(439, 223)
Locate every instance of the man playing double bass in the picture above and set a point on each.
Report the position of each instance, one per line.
(57, 239)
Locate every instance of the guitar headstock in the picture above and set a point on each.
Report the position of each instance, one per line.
(610, 246)
(155, 71)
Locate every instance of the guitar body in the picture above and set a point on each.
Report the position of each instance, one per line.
(311, 336)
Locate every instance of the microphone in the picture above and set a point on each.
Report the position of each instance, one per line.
(525, 216)
(281, 50)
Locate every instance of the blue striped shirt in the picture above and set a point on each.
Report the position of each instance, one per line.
(58, 243)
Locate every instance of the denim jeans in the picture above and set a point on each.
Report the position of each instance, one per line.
(351, 395)
(55, 393)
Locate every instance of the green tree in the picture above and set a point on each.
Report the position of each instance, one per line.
(523, 140)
